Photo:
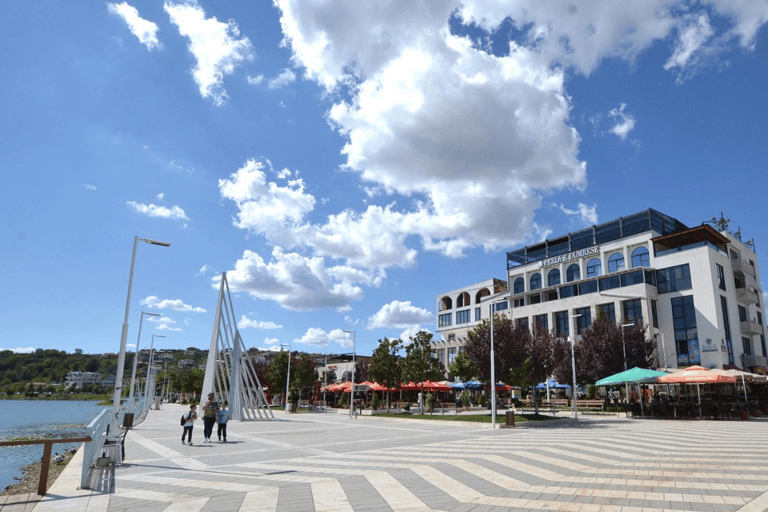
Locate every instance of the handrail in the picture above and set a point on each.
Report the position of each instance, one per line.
(42, 486)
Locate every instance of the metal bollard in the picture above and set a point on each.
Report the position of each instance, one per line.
(510, 423)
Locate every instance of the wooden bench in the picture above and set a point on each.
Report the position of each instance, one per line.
(595, 406)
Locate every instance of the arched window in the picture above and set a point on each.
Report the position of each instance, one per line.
(573, 273)
(462, 300)
(480, 294)
(446, 303)
(553, 278)
(640, 258)
(594, 267)
(535, 281)
(519, 286)
(615, 262)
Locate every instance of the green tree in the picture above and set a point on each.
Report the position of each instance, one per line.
(385, 364)
(463, 367)
(419, 364)
(303, 375)
(277, 373)
(508, 348)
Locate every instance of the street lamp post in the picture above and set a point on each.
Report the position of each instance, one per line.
(124, 335)
(624, 343)
(572, 340)
(136, 356)
(288, 377)
(493, 369)
(354, 371)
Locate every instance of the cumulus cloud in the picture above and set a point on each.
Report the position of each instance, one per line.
(399, 315)
(152, 210)
(284, 78)
(623, 121)
(255, 80)
(246, 323)
(89, 187)
(204, 270)
(144, 30)
(316, 337)
(164, 323)
(173, 304)
(217, 47)
(457, 142)
(294, 281)
(20, 350)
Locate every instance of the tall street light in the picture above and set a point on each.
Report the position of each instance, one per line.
(124, 335)
(288, 377)
(624, 348)
(152, 358)
(354, 371)
(136, 356)
(572, 340)
(493, 367)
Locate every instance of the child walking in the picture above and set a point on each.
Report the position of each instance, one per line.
(191, 416)
(221, 418)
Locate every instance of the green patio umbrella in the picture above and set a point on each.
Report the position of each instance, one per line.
(629, 376)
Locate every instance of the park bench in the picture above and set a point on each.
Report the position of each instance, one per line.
(595, 406)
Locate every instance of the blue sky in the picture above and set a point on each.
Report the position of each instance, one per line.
(346, 162)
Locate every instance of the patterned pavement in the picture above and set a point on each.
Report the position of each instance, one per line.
(329, 462)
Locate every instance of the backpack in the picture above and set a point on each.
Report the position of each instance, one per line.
(183, 419)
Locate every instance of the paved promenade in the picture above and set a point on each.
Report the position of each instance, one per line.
(328, 462)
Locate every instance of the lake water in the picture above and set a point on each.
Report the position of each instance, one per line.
(39, 419)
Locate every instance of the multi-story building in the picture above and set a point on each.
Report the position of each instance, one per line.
(696, 289)
(80, 379)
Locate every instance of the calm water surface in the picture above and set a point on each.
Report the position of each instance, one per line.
(39, 419)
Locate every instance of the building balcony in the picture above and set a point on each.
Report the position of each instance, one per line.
(745, 295)
(750, 361)
(751, 327)
(743, 268)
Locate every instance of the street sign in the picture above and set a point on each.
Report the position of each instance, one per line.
(362, 387)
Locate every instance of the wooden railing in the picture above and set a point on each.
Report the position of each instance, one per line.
(42, 487)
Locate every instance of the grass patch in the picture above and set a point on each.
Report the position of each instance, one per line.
(472, 418)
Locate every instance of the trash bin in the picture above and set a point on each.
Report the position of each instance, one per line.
(510, 419)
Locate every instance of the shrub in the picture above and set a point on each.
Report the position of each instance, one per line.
(344, 400)
(465, 398)
(483, 399)
(375, 402)
(591, 392)
(430, 400)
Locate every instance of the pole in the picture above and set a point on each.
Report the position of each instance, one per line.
(136, 356)
(124, 335)
(493, 373)
(288, 377)
(573, 368)
(354, 371)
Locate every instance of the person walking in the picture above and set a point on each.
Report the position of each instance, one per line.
(221, 419)
(209, 417)
(190, 418)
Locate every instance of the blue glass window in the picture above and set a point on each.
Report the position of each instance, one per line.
(573, 273)
(640, 258)
(615, 262)
(553, 278)
(535, 281)
(673, 278)
(686, 334)
(519, 286)
(583, 319)
(594, 267)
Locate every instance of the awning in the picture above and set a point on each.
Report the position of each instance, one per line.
(630, 376)
(696, 375)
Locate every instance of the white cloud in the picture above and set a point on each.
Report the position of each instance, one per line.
(174, 304)
(691, 50)
(160, 196)
(255, 80)
(217, 47)
(294, 281)
(624, 122)
(272, 344)
(317, 337)
(586, 215)
(204, 270)
(246, 323)
(284, 78)
(143, 29)
(399, 315)
(152, 210)
(90, 187)
(164, 324)
(20, 350)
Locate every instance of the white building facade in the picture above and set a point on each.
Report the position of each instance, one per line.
(696, 290)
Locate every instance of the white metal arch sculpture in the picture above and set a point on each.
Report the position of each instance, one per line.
(229, 372)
